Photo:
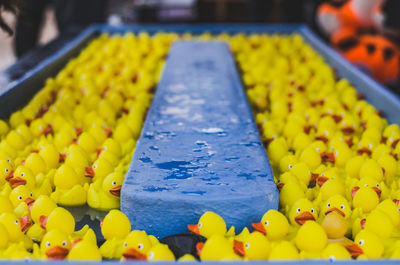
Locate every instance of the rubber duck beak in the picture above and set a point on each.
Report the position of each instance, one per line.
(35, 151)
(280, 186)
(328, 157)
(304, 217)
(354, 191)
(108, 131)
(10, 175)
(48, 130)
(334, 209)
(43, 221)
(133, 254)
(194, 229)
(348, 130)
(259, 227)
(364, 150)
(354, 250)
(76, 242)
(238, 247)
(378, 191)
(199, 248)
(362, 223)
(321, 180)
(29, 202)
(337, 118)
(17, 181)
(89, 172)
(313, 179)
(57, 253)
(394, 143)
(78, 131)
(98, 151)
(116, 191)
(61, 158)
(396, 201)
(322, 138)
(349, 142)
(25, 223)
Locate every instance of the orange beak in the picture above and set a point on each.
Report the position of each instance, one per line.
(238, 247)
(108, 131)
(322, 138)
(25, 223)
(362, 223)
(61, 158)
(337, 118)
(194, 229)
(394, 143)
(334, 209)
(116, 191)
(57, 253)
(260, 228)
(29, 202)
(280, 186)
(133, 254)
(354, 191)
(10, 175)
(348, 130)
(396, 201)
(354, 250)
(378, 191)
(89, 172)
(35, 151)
(328, 157)
(199, 248)
(17, 181)
(98, 151)
(304, 217)
(46, 131)
(364, 150)
(349, 142)
(78, 131)
(43, 221)
(321, 180)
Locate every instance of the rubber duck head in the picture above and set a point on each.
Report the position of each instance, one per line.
(99, 170)
(23, 176)
(42, 206)
(113, 183)
(59, 219)
(160, 252)
(209, 224)
(21, 194)
(391, 209)
(136, 246)
(335, 252)
(216, 247)
(55, 245)
(6, 172)
(365, 198)
(115, 225)
(36, 163)
(311, 237)
(273, 224)
(14, 226)
(337, 203)
(255, 247)
(366, 243)
(302, 211)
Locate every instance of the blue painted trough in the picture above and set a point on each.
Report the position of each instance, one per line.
(200, 149)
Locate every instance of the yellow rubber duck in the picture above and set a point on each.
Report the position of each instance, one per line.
(36, 163)
(311, 237)
(15, 227)
(50, 155)
(160, 252)
(370, 168)
(290, 192)
(187, 258)
(254, 247)
(311, 157)
(5, 205)
(25, 132)
(110, 157)
(23, 176)
(391, 209)
(115, 228)
(87, 142)
(59, 219)
(334, 252)
(209, 224)
(15, 140)
(273, 224)
(85, 248)
(366, 243)
(99, 170)
(22, 199)
(113, 146)
(365, 198)
(76, 157)
(302, 211)
(217, 247)
(6, 172)
(277, 149)
(380, 223)
(105, 194)
(284, 250)
(55, 245)
(136, 246)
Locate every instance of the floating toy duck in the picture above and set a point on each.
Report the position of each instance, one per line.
(209, 224)
(55, 245)
(302, 211)
(59, 219)
(254, 247)
(99, 170)
(85, 248)
(160, 252)
(311, 237)
(284, 250)
(136, 246)
(335, 252)
(365, 198)
(217, 247)
(16, 227)
(366, 243)
(273, 224)
(105, 194)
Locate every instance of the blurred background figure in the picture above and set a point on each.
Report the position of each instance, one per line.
(69, 14)
(366, 32)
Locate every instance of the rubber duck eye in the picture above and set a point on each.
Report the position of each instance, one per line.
(377, 185)
(41, 127)
(329, 205)
(64, 243)
(9, 160)
(290, 166)
(114, 183)
(336, 153)
(342, 207)
(125, 244)
(298, 210)
(369, 146)
(16, 222)
(332, 258)
(48, 244)
(361, 242)
(366, 185)
(140, 246)
(20, 197)
(200, 224)
(6, 170)
(19, 131)
(266, 222)
(105, 147)
(341, 139)
(333, 178)
(326, 133)
(317, 149)
(95, 166)
(31, 194)
(151, 255)
(312, 210)
(247, 246)
(22, 174)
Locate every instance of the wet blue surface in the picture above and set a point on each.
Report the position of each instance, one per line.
(199, 150)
